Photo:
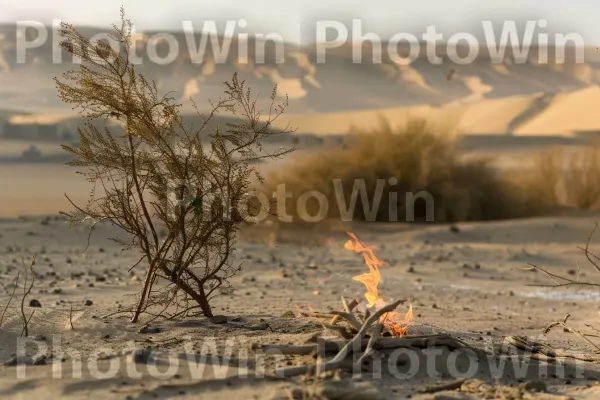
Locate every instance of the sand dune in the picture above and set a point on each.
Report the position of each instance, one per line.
(491, 116)
(536, 114)
(567, 113)
(542, 113)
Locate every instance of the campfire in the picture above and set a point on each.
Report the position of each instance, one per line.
(392, 321)
(363, 335)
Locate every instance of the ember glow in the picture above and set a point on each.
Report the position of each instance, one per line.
(394, 321)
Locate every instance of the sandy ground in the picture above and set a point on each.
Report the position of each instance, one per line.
(467, 283)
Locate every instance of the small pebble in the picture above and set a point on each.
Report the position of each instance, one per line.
(35, 303)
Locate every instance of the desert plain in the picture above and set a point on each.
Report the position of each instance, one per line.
(467, 280)
(474, 281)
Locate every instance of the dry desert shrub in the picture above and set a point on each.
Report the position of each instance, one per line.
(160, 176)
(415, 173)
(563, 177)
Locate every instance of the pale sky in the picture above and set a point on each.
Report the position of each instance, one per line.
(295, 19)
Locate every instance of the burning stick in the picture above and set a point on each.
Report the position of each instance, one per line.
(338, 360)
(395, 324)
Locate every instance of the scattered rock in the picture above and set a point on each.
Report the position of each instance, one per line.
(141, 356)
(35, 303)
(287, 314)
(218, 319)
(533, 386)
(149, 329)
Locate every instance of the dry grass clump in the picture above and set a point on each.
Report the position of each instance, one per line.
(564, 177)
(411, 174)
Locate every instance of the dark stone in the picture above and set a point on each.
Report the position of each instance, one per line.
(35, 303)
(141, 356)
(533, 386)
(149, 329)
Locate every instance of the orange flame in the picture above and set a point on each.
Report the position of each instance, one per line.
(392, 320)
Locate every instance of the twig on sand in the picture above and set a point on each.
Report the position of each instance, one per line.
(587, 253)
(382, 343)
(375, 334)
(454, 385)
(349, 317)
(564, 281)
(538, 351)
(174, 340)
(286, 349)
(12, 295)
(71, 316)
(26, 292)
(340, 330)
(348, 307)
(25, 330)
(563, 323)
